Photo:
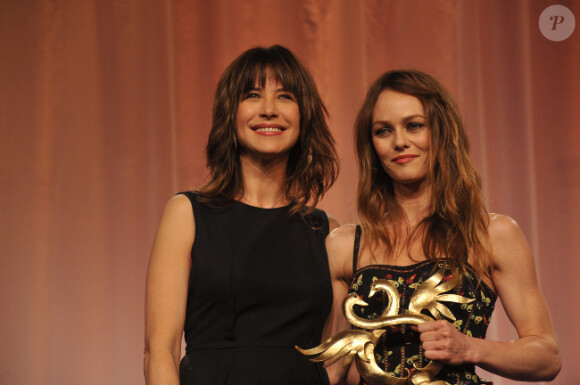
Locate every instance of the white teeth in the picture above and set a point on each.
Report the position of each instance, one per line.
(270, 129)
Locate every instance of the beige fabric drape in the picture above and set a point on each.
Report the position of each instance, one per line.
(105, 110)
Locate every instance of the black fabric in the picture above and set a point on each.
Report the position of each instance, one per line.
(400, 346)
(259, 285)
(356, 248)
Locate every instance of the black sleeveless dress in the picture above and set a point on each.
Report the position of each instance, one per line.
(259, 285)
(400, 346)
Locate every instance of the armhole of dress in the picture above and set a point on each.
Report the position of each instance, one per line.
(191, 196)
(356, 247)
(326, 223)
(195, 211)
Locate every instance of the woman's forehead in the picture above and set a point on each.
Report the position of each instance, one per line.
(280, 76)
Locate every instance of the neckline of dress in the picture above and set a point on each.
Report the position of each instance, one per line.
(240, 203)
(415, 266)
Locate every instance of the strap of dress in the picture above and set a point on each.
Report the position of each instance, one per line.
(357, 234)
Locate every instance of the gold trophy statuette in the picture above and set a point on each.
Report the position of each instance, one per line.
(361, 343)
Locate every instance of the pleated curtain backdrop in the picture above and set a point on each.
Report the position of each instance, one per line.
(105, 110)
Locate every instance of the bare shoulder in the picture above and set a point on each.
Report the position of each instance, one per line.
(508, 242)
(341, 236)
(504, 231)
(332, 222)
(177, 223)
(339, 245)
(501, 226)
(178, 205)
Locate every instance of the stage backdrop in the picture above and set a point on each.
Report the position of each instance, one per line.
(105, 110)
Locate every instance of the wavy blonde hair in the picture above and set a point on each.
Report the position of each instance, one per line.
(312, 164)
(457, 224)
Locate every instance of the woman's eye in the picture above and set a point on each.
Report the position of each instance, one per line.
(415, 126)
(381, 131)
(252, 95)
(286, 96)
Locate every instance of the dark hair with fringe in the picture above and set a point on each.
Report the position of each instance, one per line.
(457, 224)
(312, 164)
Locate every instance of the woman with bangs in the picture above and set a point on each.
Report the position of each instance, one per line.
(422, 215)
(239, 266)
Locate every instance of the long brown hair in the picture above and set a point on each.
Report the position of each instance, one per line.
(457, 224)
(312, 164)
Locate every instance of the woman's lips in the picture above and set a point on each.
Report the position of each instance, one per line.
(401, 159)
(268, 129)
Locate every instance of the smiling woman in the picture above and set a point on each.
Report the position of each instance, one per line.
(312, 164)
(268, 121)
(239, 265)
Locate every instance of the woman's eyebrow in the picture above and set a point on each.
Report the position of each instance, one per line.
(411, 117)
(383, 122)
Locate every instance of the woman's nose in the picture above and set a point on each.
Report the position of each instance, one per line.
(268, 107)
(401, 140)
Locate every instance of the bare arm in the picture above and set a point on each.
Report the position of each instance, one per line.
(339, 245)
(166, 292)
(534, 356)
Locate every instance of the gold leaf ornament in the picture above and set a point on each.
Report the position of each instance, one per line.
(360, 344)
